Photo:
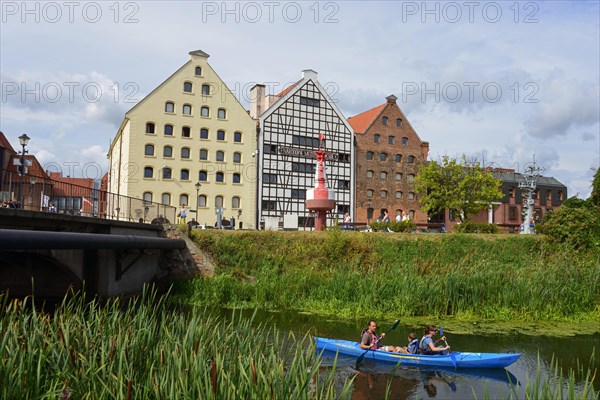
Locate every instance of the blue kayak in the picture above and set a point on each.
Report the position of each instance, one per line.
(462, 359)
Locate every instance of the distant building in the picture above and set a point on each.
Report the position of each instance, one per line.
(189, 130)
(389, 152)
(288, 135)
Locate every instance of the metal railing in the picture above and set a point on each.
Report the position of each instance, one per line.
(40, 193)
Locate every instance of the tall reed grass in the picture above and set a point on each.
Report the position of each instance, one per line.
(145, 350)
(358, 275)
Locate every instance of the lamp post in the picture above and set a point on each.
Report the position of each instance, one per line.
(23, 140)
(239, 216)
(197, 185)
(32, 181)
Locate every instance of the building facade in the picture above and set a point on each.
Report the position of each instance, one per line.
(288, 135)
(388, 152)
(188, 144)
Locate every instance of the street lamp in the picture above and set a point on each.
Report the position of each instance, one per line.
(197, 185)
(23, 140)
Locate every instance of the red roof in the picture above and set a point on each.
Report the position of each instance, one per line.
(287, 89)
(362, 121)
(87, 182)
(4, 143)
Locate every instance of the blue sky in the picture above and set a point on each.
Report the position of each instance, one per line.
(498, 80)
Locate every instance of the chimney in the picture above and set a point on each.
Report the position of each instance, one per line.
(257, 95)
(309, 74)
(391, 99)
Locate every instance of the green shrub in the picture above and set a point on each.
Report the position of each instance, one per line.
(402, 226)
(476, 227)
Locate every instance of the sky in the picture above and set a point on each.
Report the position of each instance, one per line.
(499, 81)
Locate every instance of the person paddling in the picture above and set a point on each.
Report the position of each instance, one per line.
(427, 344)
(370, 340)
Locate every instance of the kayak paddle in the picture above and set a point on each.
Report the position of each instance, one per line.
(452, 356)
(362, 356)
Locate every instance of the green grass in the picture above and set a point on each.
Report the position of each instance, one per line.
(497, 277)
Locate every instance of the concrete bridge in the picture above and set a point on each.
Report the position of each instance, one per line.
(49, 253)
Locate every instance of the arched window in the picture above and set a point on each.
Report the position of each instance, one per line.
(237, 137)
(220, 177)
(202, 176)
(383, 194)
(398, 176)
(383, 175)
(206, 89)
(391, 139)
(187, 109)
(150, 127)
(411, 196)
(185, 131)
(220, 156)
(166, 173)
(237, 178)
(185, 152)
(398, 121)
(187, 87)
(384, 120)
(369, 155)
(370, 174)
(369, 193)
(219, 201)
(183, 200)
(235, 202)
(165, 199)
(167, 151)
(149, 150)
(411, 178)
(169, 107)
(383, 156)
(198, 71)
(398, 195)
(169, 130)
(376, 138)
(221, 113)
(411, 214)
(202, 201)
(148, 172)
(204, 111)
(404, 141)
(398, 158)
(203, 133)
(410, 159)
(147, 196)
(237, 157)
(220, 135)
(203, 154)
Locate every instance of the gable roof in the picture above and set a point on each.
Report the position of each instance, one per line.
(361, 122)
(5, 144)
(287, 89)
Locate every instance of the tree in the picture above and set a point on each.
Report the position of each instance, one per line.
(595, 196)
(462, 187)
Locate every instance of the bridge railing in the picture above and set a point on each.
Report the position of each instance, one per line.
(41, 193)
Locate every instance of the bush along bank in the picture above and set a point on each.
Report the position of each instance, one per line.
(497, 277)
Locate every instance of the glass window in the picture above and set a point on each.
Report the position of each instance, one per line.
(166, 199)
(411, 214)
(221, 113)
(150, 127)
(369, 193)
(237, 137)
(398, 195)
(185, 131)
(383, 175)
(237, 178)
(203, 133)
(202, 201)
(185, 175)
(169, 107)
(187, 109)
(220, 135)
(206, 89)
(202, 176)
(219, 201)
(235, 202)
(148, 172)
(384, 120)
(391, 139)
(167, 151)
(376, 138)
(185, 152)
(404, 141)
(220, 156)
(166, 173)
(147, 196)
(369, 155)
(169, 130)
(203, 154)
(187, 87)
(411, 196)
(204, 111)
(220, 177)
(369, 174)
(183, 200)
(237, 157)
(410, 159)
(382, 156)
(411, 178)
(398, 176)
(149, 150)
(383, 194)
(399, 122)
(198, 71)
(398, 158)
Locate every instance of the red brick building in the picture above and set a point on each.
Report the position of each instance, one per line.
(388, 155)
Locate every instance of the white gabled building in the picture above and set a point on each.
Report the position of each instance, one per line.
(290, 124)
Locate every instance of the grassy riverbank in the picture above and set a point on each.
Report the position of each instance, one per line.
(498, 277)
